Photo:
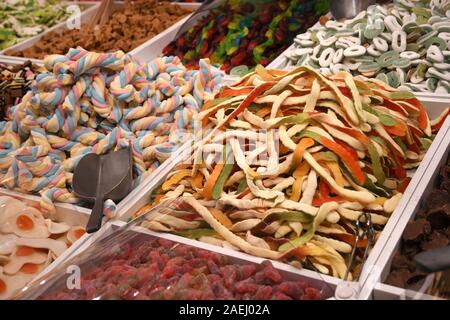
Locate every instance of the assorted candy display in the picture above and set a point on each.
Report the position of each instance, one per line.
(126, 29)
(90, 102)
(303, 166)
(429, 230)
(22, 19)
(405, 44)
(293, 159)
(237, 35)
(144, 268)
(29, 242)
(15, 81)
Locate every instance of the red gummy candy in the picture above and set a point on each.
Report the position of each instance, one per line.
(263, 293)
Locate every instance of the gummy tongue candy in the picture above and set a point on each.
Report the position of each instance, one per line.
(239, 33)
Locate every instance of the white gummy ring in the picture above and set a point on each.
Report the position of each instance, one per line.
(444, 36)
(302, 51)
(434, 54)
(326, 57)
(399, 40)
(444, 75)
(355, 51)
(380, 44)
(372, 51)
(442, 66)
(338, 56)
(411, 55)
(392, 23)
(339, 67)
(304, 36)
(306, 43)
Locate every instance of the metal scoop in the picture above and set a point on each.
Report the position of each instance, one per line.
(100, 177)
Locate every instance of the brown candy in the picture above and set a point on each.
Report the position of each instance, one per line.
(126, 29)
(430, 230)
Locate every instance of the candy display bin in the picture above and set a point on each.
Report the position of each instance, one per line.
(70, 215)
(142, 197)
(130, 262)
(153, 49)
(434, 102)
(86, 14)
(85, 17)
(371, 32)
(161, 155)
(376, 287)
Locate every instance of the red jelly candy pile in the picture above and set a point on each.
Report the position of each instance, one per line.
(161, 269)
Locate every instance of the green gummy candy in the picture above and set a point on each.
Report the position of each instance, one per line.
(383, 77)
(393, 79)
(440, 43)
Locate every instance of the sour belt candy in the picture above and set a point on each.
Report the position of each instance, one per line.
(90, 102)
(239, 34)
(293, 160)
(405, 44)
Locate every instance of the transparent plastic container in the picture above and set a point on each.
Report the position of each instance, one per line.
(130, 262)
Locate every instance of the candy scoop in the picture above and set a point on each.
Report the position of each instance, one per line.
(100, 177)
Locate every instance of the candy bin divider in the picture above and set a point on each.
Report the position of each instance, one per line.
(16, 60)
(386, 292)
(419, 188)
(280, 61)
(84, 17)
(70, 213)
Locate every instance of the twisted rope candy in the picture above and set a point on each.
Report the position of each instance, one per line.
(345, 146)
(91, 102)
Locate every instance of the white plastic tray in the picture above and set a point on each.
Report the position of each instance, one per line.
(419, 188)
(71, 215)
